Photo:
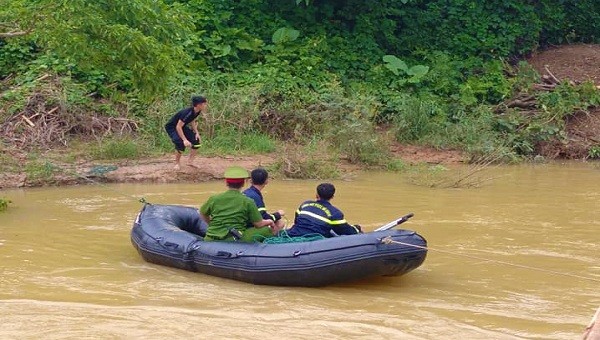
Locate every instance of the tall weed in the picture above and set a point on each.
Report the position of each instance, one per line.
(118, 149)
(416, 118)
(228, 140)
(359, 142)
(305, 162)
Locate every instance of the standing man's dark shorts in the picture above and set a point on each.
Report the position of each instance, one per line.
(189, 134)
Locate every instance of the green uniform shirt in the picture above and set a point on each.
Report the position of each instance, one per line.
(227, 210)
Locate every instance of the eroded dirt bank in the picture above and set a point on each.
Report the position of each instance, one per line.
(161, 169)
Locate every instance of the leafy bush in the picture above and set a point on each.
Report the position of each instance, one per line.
(594, 152)
(14, 55)
(467, 28)
(570, 21)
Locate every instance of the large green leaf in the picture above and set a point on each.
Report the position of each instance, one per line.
(284, 35)
(394, 64)
(418, 71)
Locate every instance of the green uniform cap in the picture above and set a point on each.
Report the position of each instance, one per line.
(236, 172)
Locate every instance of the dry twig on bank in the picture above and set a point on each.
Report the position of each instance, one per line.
(46, 120)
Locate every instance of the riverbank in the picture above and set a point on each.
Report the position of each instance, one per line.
(160, 169)
(572, 63)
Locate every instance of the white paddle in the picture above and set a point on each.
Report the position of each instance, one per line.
(395, 222)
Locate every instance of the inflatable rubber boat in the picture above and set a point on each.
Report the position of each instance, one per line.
(171, 235)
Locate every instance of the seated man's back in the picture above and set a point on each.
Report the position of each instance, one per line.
(320, 216)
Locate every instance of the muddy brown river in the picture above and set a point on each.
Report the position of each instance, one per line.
(518, 258)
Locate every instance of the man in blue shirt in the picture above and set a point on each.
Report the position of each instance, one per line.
(321, 217)
(260, 178)
(179, 132)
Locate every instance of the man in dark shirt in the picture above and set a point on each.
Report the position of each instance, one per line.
(321, 217)
(181, 134)
(260, 178)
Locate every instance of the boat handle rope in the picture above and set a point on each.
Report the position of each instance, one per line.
(389, 240)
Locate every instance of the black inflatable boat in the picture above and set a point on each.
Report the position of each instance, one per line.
(171, 235)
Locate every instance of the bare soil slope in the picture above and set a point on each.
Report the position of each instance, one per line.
(577, 63)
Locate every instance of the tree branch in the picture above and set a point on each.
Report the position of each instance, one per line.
(13, 34)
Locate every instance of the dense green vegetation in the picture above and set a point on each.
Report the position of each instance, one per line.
(322, 74)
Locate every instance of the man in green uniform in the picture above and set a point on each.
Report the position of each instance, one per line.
(229, 213)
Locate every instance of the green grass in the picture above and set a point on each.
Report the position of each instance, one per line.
(248, 143)
(396, 165)
(40, 170)
(8, 163)
(113, 149)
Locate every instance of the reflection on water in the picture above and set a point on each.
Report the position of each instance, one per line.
(68, 269)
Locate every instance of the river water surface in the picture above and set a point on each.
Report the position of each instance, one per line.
(518, 258)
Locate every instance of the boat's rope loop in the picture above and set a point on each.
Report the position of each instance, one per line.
(283, 237)
(389, 240)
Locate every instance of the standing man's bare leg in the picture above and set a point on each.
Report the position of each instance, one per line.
(192, 157)
(177, 160)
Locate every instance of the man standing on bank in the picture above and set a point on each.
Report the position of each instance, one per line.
(181, 134)
(260, 178)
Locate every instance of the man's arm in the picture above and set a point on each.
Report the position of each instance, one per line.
(205, 218)
(260, 204)
(194, 125)
(205, 210)
(179, 129)
(340, 226)
(264, 223)
(256, 218)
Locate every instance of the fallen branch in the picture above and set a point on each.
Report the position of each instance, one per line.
(523, 103)
(13, 34)
(551, 75)
(28, 121)
(544, 87)
(46, 75)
